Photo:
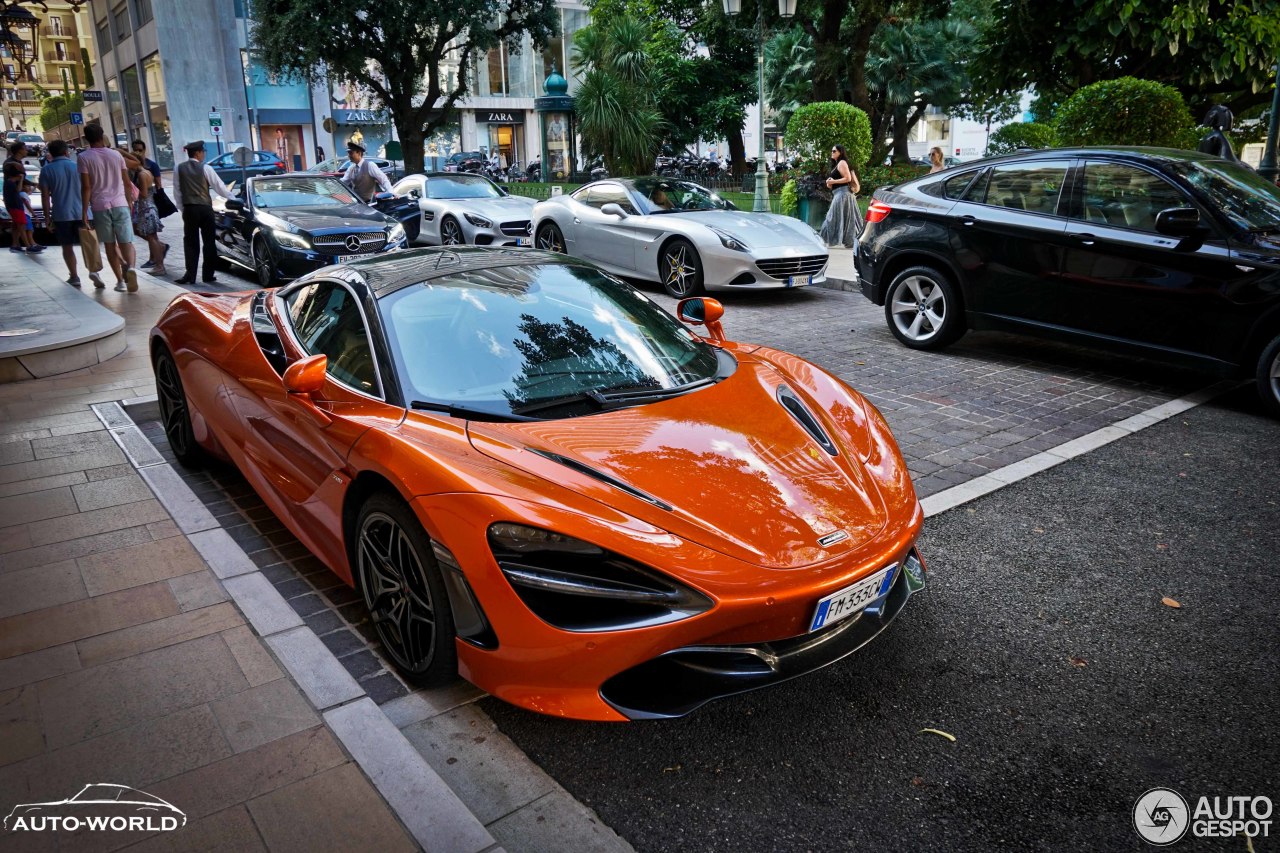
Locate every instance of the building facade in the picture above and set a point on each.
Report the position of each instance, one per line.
(64, 59)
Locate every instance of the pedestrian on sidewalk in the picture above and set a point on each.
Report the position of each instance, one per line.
(14, 154)
(937, 162)
(105, 189)
(193, 183)
(63, 209)
(146, 221)
(19, 210)
(843, 225)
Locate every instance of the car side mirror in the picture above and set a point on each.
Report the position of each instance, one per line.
(703, 311)
(1179, 222)
(302, 379)
(234, 204)
(612, 209)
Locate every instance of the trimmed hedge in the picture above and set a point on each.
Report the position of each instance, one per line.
(1030, 134)
(1127, 111)
(815, 128)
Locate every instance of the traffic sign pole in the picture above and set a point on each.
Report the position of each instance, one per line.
(215, 126)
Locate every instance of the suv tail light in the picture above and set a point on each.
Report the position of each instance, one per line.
(878, 211)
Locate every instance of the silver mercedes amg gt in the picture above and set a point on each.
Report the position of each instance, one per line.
(458, 208)
(681, 235)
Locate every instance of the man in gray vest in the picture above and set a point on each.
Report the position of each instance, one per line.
(363, 176)
(193, 183)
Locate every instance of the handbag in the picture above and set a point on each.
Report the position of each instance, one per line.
(89, 249)
(164, 204)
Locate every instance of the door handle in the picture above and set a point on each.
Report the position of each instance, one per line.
(966, 220)
(577, 221)
(1084, 239)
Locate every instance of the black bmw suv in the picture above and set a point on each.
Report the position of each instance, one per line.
(1167, 254)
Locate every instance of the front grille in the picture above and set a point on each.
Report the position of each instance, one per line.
(335, 244)
(780, 268)
(523, 228)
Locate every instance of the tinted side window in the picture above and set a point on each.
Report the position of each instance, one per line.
(1126, 196)
(326, 319)
(1033, 187)
(955, 186)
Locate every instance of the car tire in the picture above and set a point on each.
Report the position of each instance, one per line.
(923, 309)
(681, 269)
(264, 263)
(550, 238)
(175, 411)
(1268, 376)
(451, 233)
(404, 590)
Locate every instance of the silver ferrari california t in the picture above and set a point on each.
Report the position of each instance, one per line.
(458, 208)
(681, 235)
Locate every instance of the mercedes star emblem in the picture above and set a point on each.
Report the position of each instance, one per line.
(352, 243)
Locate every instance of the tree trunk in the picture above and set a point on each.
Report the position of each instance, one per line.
(737, 151)
(412, 144)
(901, 127)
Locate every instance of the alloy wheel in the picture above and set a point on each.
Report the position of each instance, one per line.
(919, 308)
(264, 264)
(450, 233)
(396, 592)
(681, 276)
(550, 239)
(173, 404)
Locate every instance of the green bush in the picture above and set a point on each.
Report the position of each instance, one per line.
(790, 198)
(1127, 111)
(887, 176)
(1029, 134)
(815, 128)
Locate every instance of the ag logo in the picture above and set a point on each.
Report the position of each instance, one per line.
(1161, 816)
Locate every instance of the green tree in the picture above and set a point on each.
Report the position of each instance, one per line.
(1124, 112)
(1018, 134)
(618, 117)
(789, 67)
(397, 49)
(816, 128)
(1210, 50)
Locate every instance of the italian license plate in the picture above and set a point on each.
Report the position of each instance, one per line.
(524, 241)
(852, 599)
(799, 280)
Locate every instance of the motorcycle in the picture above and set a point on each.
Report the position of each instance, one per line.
(533, 172)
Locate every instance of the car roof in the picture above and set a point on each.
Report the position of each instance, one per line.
(1128, 152)
(385, 274)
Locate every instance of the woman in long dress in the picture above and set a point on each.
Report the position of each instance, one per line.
(843, 224)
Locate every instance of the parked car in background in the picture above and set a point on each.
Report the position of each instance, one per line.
(457, 158)
(284, 226)
(1160, 253)
(337, 167)
(681, 235)
(34, 142)
(511, 456)
(459, 208)
(264, 163)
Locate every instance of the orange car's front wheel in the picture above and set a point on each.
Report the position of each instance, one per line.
(404, 591)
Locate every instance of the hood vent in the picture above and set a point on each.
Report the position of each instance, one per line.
(602, 477)
(806, 418)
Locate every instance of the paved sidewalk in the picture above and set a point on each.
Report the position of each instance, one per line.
(121, 658)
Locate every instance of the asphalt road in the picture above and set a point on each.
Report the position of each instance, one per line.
(1043, 646)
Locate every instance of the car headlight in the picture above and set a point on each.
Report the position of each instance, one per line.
(577, 586)
(478, 221)
(396, 234)
(288, 238)
(729, 241)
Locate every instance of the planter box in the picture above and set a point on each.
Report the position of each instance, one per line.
(814, 211)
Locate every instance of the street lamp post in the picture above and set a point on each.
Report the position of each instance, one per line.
(1268, 167)
(787, 9)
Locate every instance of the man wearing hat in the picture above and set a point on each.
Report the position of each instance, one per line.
(363, 176)
(193, 182)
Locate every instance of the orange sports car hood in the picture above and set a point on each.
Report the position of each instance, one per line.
(725, 466)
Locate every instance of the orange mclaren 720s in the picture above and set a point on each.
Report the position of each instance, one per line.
(538, 478)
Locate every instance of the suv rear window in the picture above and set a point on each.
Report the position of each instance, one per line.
(1033, 187)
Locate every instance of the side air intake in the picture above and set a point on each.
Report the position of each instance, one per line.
(806, 419)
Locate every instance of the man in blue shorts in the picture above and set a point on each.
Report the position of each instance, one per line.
(63, 211)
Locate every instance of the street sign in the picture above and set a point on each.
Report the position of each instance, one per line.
(91, 95)
(243, 157)
(215, 123)
(77, 118)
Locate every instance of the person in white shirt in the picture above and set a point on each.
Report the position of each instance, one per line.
(363, 176)
(194, 184)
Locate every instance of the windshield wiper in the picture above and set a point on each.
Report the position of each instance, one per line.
(455, 411)
(616, 397)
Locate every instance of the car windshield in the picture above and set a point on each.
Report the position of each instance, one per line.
(507, 340)
(300, 192)
(461, 186)
(32, 137)
(459, 156)
(98, 792)
(665, 196)
(1246, 199)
